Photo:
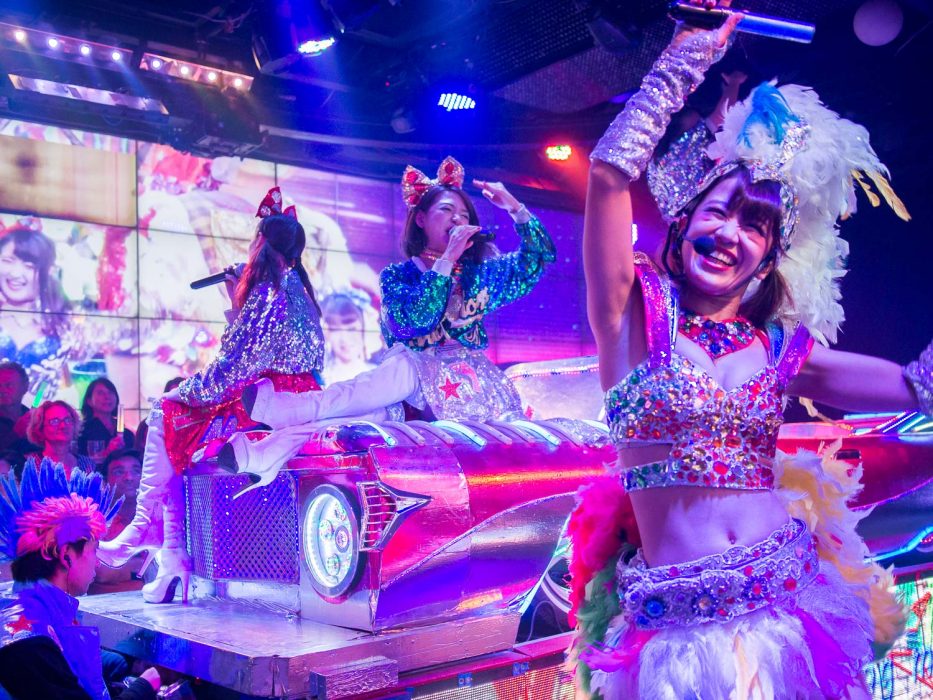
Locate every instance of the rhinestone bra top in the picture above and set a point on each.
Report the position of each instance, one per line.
(720, 438)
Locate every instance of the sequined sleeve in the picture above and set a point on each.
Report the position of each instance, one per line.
(277, 330)
(413, 302)
(513, 275)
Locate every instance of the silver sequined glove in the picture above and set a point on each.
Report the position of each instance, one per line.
(632, 137)
(919, 374)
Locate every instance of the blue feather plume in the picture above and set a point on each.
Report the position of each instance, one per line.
(47, 480)
(769, 109)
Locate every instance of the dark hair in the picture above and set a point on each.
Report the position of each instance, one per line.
(119, 454)
(38, 249)
(16, 367)
(86, 411)
(755, 202)
(172, 383)
(35, 567)
(283, 241)
(414, 240)
(16, 460)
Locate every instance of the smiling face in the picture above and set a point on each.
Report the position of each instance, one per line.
(742, 235)
(19, 279)
(445, 212)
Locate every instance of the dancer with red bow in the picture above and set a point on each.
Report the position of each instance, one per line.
(433, 306)
(274, 335)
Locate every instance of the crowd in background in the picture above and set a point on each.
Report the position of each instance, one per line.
(89, 439)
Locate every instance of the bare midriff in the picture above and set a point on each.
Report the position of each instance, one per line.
(680, 523)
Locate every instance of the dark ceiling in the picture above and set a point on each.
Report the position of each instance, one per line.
(536, 69)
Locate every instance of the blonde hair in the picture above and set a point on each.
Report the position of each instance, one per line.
(35, 431)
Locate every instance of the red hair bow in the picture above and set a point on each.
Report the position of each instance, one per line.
(272, 204)
(415, 183)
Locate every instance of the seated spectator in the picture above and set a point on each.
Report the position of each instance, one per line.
(142, 430)
(13, 414)
(53, 427)
(122, 470)
(52, 540)
(98, 436)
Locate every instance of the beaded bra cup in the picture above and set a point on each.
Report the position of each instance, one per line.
(720, 438)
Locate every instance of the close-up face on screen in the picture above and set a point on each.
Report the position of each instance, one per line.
(102, 235)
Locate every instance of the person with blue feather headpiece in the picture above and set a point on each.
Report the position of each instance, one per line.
(50, 525)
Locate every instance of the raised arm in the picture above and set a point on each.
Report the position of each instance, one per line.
(854, 382)
(619, 158)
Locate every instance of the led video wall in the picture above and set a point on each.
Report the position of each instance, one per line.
(100, 237)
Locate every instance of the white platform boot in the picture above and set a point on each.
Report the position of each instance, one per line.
(145, 531)
(391, 382)
(172, 559)
(263, 459)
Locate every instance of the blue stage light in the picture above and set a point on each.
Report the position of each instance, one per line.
(316, 47)
(454, 101)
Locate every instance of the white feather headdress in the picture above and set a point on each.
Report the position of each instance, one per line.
(786, 134)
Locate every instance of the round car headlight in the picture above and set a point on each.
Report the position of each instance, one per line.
(331, 540)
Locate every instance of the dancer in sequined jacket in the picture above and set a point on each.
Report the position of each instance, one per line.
(433, 306)
(274, 334)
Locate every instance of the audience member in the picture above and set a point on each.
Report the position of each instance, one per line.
(52, 541)
(13, 414)
(122, 470)
(98, 436)
(53, 427)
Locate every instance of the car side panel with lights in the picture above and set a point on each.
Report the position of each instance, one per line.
(394, 525)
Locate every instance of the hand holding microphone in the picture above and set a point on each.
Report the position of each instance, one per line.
(231, 271)
(712, 16)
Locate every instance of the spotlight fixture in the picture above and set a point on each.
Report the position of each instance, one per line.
(208, 75)
(454, 101)
(315, 47)
(560, 152)
(65, 47)
(287, 31)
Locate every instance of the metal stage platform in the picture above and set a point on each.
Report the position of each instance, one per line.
(268, 653)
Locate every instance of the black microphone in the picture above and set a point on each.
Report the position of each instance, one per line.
(484, 236)
(219, 277)
(704, 245)
(774, 27)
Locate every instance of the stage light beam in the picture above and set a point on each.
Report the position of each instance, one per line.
(53, 43)
(85, 50)
(20, 36)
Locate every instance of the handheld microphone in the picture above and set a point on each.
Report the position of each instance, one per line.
(704, 245)
(762, 25)
(484, 236)
(219, 277)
